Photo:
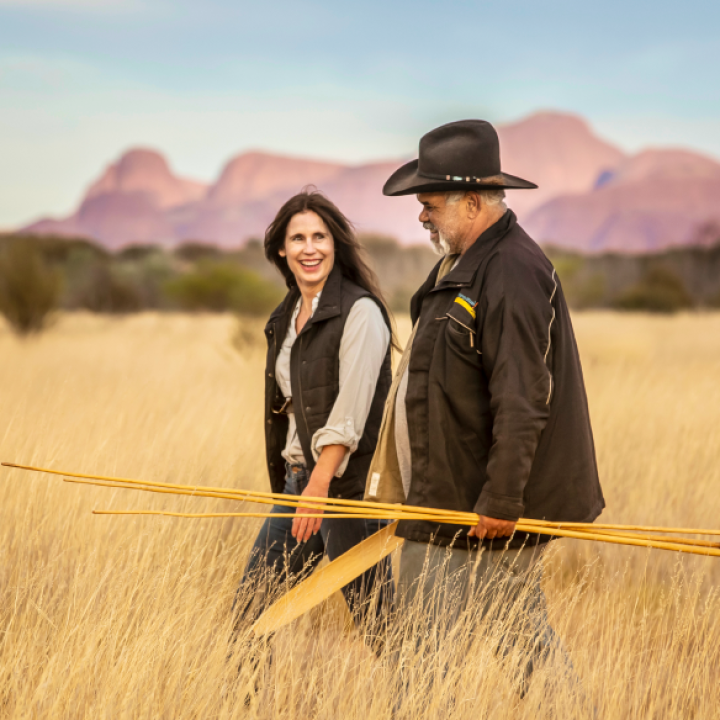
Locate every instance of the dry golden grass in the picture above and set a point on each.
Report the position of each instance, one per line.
(125, 617)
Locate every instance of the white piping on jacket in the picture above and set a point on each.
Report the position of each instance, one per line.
(552, 319)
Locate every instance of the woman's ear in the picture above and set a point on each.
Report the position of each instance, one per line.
(282, 252)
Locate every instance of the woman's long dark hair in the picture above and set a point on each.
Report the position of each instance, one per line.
(348, 251)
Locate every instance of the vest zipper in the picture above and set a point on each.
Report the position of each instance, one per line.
(274, 349)
(302, 402)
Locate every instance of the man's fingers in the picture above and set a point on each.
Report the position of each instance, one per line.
(490, 529)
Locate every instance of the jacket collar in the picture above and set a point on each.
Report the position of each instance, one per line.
(469, 263)
(466, 269)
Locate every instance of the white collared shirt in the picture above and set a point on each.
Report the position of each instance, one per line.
(363, 348)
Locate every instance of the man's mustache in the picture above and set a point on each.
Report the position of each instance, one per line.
(429, 226)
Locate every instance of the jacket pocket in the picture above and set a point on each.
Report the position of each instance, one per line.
(463, 331)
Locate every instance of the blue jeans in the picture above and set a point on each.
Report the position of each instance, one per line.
(278, 558)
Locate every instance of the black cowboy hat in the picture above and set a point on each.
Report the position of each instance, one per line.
(461, 155)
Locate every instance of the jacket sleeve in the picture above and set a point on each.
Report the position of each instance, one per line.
(516, 319)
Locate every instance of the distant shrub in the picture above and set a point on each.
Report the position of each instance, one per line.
(660, 290)
(138, 252)
(223, 286)
(29, 289)
(714, 301)
(105, 291)
(399, 301)
(587, 293)
(57, 250)
(195, 251)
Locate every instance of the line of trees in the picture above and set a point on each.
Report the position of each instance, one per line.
(666, 282)
(39, 275)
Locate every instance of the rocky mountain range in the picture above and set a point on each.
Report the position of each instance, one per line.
(592, 197)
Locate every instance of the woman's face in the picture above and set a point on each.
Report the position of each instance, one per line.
(309, 249)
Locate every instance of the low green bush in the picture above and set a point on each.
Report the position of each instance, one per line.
(222, 286)
(660, 290)
(29, 289)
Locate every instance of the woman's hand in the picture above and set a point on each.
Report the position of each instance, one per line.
(303, 528)
(331, 456)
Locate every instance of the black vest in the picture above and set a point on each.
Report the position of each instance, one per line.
(314, 378)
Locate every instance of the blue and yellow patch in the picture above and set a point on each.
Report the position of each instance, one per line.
(467, 303)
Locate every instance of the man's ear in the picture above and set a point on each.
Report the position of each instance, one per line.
(473, 204)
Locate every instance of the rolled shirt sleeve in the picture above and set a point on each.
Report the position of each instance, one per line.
(363, 348)
(516, 357)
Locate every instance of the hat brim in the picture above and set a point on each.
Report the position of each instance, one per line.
(407, 181)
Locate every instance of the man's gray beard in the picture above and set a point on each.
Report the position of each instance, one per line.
(440, 246)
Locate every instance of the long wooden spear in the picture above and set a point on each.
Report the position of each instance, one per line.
(399, 512)
(238, 494)
(521, 526)
(548, 527)
(246, 495)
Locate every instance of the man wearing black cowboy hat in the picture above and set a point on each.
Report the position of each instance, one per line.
(488, 411)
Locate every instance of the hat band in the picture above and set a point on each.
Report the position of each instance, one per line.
(489, 180)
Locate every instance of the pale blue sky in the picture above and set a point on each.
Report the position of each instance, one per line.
(83, 80)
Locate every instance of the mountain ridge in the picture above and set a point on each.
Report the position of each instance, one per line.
(592, 196)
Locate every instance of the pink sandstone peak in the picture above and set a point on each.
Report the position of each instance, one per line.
(146, 171)
(255, 175)
(558, 152)
(652, 201)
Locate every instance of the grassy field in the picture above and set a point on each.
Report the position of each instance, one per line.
(112, 617)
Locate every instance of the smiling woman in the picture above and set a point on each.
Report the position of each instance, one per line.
(326, 380)
(309, 253)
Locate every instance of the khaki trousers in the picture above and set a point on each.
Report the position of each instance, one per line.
(437, 585)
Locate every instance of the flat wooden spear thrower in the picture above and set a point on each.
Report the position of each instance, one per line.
(322, 583)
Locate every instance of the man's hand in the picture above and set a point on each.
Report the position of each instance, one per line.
(304, 528)
(491, 528)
